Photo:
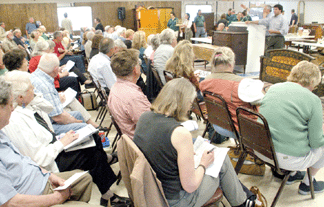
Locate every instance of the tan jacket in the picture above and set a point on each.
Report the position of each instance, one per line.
(143, 187)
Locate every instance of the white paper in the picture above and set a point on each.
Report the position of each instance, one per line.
(84, 136)
(202, 73)
(72, 74)
(69, 96)
(220, 153)
(191, 125)
(90, 143)
(69, 181)
(69, 65)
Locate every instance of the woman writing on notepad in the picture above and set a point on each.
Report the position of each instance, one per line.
(31, 132)
(169, 149)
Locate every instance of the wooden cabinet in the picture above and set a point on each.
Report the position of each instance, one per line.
(152, 21)
(238, 41)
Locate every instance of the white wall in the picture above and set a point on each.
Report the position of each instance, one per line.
(314, 11)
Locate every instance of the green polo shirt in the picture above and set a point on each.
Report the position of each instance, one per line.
(199, 21)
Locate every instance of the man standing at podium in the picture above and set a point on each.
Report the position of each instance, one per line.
(277, 28)
(200, 25)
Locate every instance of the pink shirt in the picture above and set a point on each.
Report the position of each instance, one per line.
(127, 102)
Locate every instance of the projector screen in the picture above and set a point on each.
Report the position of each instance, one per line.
(80, 16)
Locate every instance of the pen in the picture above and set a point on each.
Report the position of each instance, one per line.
(211, 150)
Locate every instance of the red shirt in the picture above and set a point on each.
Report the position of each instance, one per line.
(57, 46)
(33, 63)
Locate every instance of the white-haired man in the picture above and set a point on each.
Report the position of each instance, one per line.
(99, 66)
(19, 40)
(65, 55)
(30, 26)
(87, 45)
(164, 51)
(43, 81)
(8, 43)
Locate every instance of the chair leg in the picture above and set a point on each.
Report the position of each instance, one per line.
(114, 145)
(99, 113)
(311, 183)
(103, 117)
(119, 177)
(109, 128)
(205, 131)
(283, 183)
(240, 162)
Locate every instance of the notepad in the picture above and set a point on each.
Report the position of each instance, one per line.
(220, 153)
(70, 181)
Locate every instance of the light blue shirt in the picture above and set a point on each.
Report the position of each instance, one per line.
(277, 23)
(18, 173)
(44, 84)
(100, 70)
(30, 27)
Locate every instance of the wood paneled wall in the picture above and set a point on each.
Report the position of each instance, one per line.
(107, 11)
(17, 15)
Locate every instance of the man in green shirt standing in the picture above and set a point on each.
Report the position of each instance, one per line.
(200, 25)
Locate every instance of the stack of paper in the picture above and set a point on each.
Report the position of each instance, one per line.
(68, 66)
(70, 181)
(85, 139)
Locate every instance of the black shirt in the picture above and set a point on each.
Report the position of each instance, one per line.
(99, 26)
(294, 17)
(153, 137)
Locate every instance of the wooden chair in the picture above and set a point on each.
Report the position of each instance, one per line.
(157, 77)
(255, 139)
(218, 113)
(142, 184)
(168, 75)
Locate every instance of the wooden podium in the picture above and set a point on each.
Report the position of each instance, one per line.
(238, 41)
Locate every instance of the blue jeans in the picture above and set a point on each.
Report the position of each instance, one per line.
(63, 128)
(78, 59)
(224, 132)
(200, 31)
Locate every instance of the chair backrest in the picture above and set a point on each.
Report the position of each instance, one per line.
(168, 75)
(143, 187)
(157, 77)
(255, 135)
(218, 112)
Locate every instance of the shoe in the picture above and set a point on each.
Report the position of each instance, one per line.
(299, 176)
(117, 200)
(114, 158)
(305, 189)
(103, 202)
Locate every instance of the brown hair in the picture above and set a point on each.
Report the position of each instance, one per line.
(123, 62)
(129, 33)
(96, 40)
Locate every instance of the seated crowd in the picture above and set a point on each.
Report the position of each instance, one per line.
(33, 160)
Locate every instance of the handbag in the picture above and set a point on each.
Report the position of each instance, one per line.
(251, 165)
(88, 100)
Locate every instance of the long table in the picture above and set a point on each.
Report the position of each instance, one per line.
(202, 39)
(308, 44)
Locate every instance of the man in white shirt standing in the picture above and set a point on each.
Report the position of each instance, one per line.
(277, 28)
(99, 66)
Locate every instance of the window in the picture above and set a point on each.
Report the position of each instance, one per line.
(193, 10)
(80, 16)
